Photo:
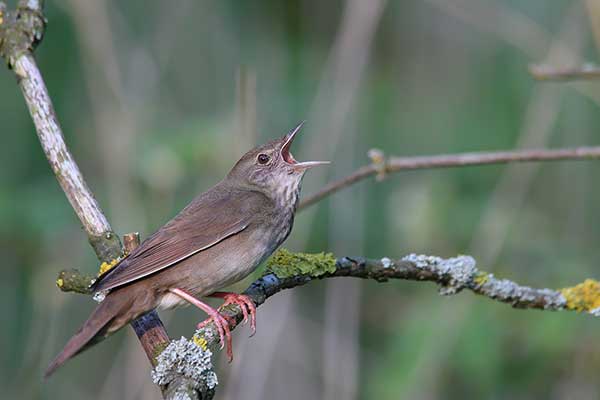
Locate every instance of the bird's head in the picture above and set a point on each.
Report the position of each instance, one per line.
(271, 168)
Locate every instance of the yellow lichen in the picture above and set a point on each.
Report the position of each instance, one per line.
(107, 266)
(200, 342)
(60, 282)
(583, 297)
(481, 278)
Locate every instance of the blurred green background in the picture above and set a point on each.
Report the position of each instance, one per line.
(157, 101)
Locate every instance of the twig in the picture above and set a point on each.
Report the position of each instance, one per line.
(20, 32)
(398, 164)
(549, 73)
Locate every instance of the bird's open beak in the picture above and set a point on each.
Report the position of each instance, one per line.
(287, 155)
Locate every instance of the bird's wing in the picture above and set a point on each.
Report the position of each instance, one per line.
(208, 220)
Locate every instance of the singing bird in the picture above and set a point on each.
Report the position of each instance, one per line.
(217, 240)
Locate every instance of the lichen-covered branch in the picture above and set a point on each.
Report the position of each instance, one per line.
(287, 270)
(381, 165)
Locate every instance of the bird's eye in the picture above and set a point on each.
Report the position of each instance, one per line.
(263, 159)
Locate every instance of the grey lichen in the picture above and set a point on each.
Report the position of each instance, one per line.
(423, 261)
(386, 262)
(459, 271)
(455, 274)
(520, 295)
(185, 358)
(505, 289)
(595, 312)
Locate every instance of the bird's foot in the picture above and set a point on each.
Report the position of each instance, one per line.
(244, 302)
(220, 322)
(222, 326)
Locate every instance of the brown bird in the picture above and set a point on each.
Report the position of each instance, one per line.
(217, 240)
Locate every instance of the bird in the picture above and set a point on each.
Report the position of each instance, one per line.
(218, 239)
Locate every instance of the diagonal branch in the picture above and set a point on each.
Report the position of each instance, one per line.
(382, 166)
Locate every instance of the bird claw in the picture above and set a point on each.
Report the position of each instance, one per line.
(220, 322)
(222, 326)
(246, 305)
(223, 322)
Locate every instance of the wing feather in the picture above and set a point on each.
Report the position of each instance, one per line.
(199, 226)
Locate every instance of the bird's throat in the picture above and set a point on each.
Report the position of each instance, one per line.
(287, 195)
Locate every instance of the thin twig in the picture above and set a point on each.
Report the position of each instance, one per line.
(548, 73)
(398, 164)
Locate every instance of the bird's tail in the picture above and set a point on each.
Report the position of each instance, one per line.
(98, 326)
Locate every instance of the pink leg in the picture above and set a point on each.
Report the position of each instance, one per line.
(244, 302)
(219, 321)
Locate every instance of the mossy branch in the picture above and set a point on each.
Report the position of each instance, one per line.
(452, 276)
(286, 270)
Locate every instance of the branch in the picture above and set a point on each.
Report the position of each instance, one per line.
(549, 73)
(382, 166)
(287, 270)
(20, 32)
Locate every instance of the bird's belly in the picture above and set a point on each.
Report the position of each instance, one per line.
(170, 300)
(219, 266)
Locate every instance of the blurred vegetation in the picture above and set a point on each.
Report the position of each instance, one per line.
(158, 100)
